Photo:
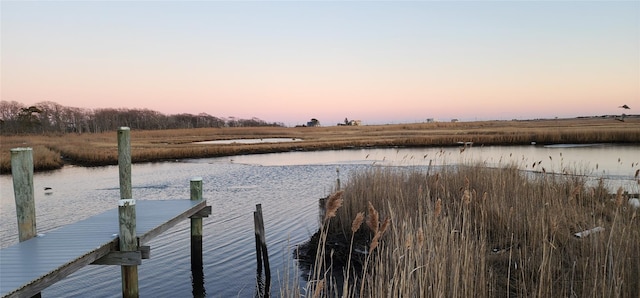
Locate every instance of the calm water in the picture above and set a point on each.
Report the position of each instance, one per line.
(287, 185)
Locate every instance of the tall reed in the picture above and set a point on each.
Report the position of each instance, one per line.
(483, 232)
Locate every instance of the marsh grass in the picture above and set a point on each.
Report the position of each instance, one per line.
(158, 145)
(473, 231)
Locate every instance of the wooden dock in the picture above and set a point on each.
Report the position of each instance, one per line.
(115, 237)
(33, 265)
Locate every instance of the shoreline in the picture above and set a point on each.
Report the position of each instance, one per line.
(52, 152)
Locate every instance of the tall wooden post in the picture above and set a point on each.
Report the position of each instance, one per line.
(22, 172)
(127, 213)
(196, 243)
(262, 254)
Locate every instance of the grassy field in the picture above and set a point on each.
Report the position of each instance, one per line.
(52, 151)
(473, 231)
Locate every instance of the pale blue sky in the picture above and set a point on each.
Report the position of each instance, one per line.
(382, 62)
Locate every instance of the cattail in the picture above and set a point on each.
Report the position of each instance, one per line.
(319, 288)
(384, 226)
(637, 173)
(374, 244)
(466, 196)
(373, 220)
(420, 237)
(619, 196)
(378, 235)
(333, 204)
(438, 208)
(409, 241)
(355, 225)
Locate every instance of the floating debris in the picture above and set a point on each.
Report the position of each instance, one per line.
(588, 232)
(635, 203)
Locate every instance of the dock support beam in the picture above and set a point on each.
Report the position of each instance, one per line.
(127, 214)
(196, 243)
(262, 255)
(22, 173)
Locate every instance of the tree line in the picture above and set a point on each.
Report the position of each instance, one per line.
(51, 117)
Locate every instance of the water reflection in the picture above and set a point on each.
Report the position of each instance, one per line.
(251, 141)
(197, 271)
(615, 163)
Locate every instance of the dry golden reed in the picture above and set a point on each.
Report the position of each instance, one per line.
(466, 196)
(155, 145)
(619, 197)
(376, 238)
(319, 288)
(373, 221)
(419, 237)
(518, 240)
(357, 222)
(334, 202)
(438, 208)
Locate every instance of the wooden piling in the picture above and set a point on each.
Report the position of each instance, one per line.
(196, 243)
(127, 214)
(259, 281)
(262, 254)
(22, 172)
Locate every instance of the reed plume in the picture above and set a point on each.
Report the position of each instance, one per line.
(438, 208)
(319, 288)
(357, 222)
(378, 235)
(466, 196)
(333, 204)
(619, 197)
(420, 237)
(355, 226)
(373, 220)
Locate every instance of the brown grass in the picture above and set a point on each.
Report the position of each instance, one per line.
(101, 149)
(480, 232)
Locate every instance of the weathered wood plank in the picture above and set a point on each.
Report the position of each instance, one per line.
(120, 258)
(170, 223)
(205, 212)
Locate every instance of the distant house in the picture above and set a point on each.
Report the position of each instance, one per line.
(313, 123)
(430, 120)
(454, 120)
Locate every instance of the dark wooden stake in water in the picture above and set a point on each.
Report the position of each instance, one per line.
(197, 273)
(22, 172)
(262, 255)
(127, 214)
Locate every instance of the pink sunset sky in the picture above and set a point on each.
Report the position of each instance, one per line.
(381, 62)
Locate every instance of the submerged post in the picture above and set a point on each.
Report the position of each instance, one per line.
(196, 243)
(262, 254)
(127, 213)
(22, 172)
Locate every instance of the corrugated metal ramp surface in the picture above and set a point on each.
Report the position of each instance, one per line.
(38, 258)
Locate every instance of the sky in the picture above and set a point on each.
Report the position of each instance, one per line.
(290, 61)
